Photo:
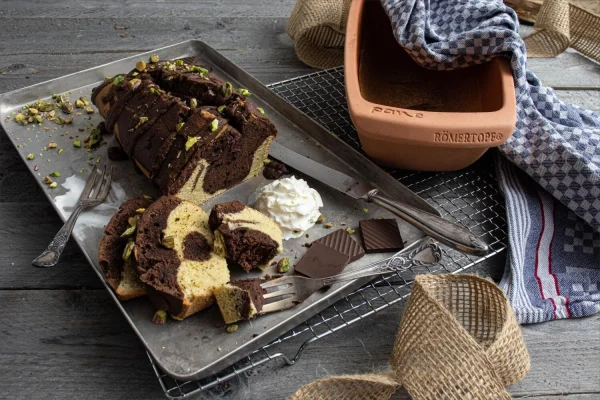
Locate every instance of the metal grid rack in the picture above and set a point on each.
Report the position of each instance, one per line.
(469, 197)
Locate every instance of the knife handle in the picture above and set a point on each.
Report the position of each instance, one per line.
(451, 234)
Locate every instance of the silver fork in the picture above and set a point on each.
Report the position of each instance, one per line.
(286, 292)
(95, 191)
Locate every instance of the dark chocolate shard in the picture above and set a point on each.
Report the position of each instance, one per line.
(380, 235)
(341, 241)
(321, 261)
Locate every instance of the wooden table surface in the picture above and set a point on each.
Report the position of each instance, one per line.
(60, 334)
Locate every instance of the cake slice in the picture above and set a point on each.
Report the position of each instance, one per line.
(244, 236)
(175, 258)
(120, 274)
(240, 300)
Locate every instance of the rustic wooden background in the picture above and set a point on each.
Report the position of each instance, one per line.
(62, 337)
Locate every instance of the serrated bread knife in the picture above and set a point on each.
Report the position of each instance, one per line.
(446, 232)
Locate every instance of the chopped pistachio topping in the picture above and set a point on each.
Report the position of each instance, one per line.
(350, 231)
(328, 225)
(39, 119)
(60, 151)
(154, 91)
(132, 221)
(190, 142)
(77, 143)
(55, 174)
(171, 67)
(52, 145)
(244, 92)
(66, 107)
(214, 125)
(147, 196)
(320, 220)
(135, 73)
(48, 180)
(227, 89)
(266, 161)
(232, 328)
(30, 156)
(128, 249)
(33, 111)
(19, 117)
(79, 103)
(140, 66)
(154, 58)
(221, 109)
(179, 126)
(140, 210)
(135, 83)
(89, 110)
(260, 110)
(283, 265)
(193, 103)
(179, 62)
(53, 185)
(160, 317)
(118, 80)
(168, 242)
(129, 231)
(365, 210)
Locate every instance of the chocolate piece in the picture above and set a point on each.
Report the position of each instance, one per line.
(275, 170)
(321, 261)
(380, 235)
(341, 241)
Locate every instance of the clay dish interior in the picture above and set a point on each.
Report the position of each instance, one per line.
(411, 117)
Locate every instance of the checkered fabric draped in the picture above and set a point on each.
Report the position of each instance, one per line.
(555, 144)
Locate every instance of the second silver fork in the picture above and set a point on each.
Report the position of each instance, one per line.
(95, 192)
(288, 291)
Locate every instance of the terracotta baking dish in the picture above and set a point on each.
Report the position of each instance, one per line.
(415, 118)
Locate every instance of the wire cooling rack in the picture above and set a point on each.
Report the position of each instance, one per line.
(469, 197)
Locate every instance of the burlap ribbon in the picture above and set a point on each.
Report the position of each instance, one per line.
(318, 28)
(458, 339)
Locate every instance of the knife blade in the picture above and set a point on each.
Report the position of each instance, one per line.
(331, 177)
(451, 234)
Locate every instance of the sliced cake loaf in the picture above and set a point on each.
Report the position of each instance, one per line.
(240, 300)
(175, 258)
(244, 236)
(119, 266)
(185, 128)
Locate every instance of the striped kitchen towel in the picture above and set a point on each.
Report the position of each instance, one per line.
(553, 201)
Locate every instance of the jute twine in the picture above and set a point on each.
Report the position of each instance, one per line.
(318, 28)
(458, 339)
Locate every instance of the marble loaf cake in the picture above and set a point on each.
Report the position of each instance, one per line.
(185, 128)
(173, 249)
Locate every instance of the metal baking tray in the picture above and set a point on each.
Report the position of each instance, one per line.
(198, 346)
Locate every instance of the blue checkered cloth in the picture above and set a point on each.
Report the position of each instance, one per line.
(551, 181)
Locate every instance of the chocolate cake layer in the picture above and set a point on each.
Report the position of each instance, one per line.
(196, 247)
(248, 247)
(152, 147)
(157, 264)
(219, 212)
(381, 235)
(253, 287)
(198, 127)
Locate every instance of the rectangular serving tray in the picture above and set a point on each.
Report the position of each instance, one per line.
(198, 346)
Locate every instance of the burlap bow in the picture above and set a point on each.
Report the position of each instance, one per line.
(318, 28)
(458, 339)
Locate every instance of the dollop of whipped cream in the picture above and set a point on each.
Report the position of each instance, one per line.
(292, 204)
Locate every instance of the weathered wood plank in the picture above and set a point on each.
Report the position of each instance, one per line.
(85, 346)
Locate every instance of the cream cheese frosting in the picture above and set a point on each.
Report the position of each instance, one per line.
(292, 204)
